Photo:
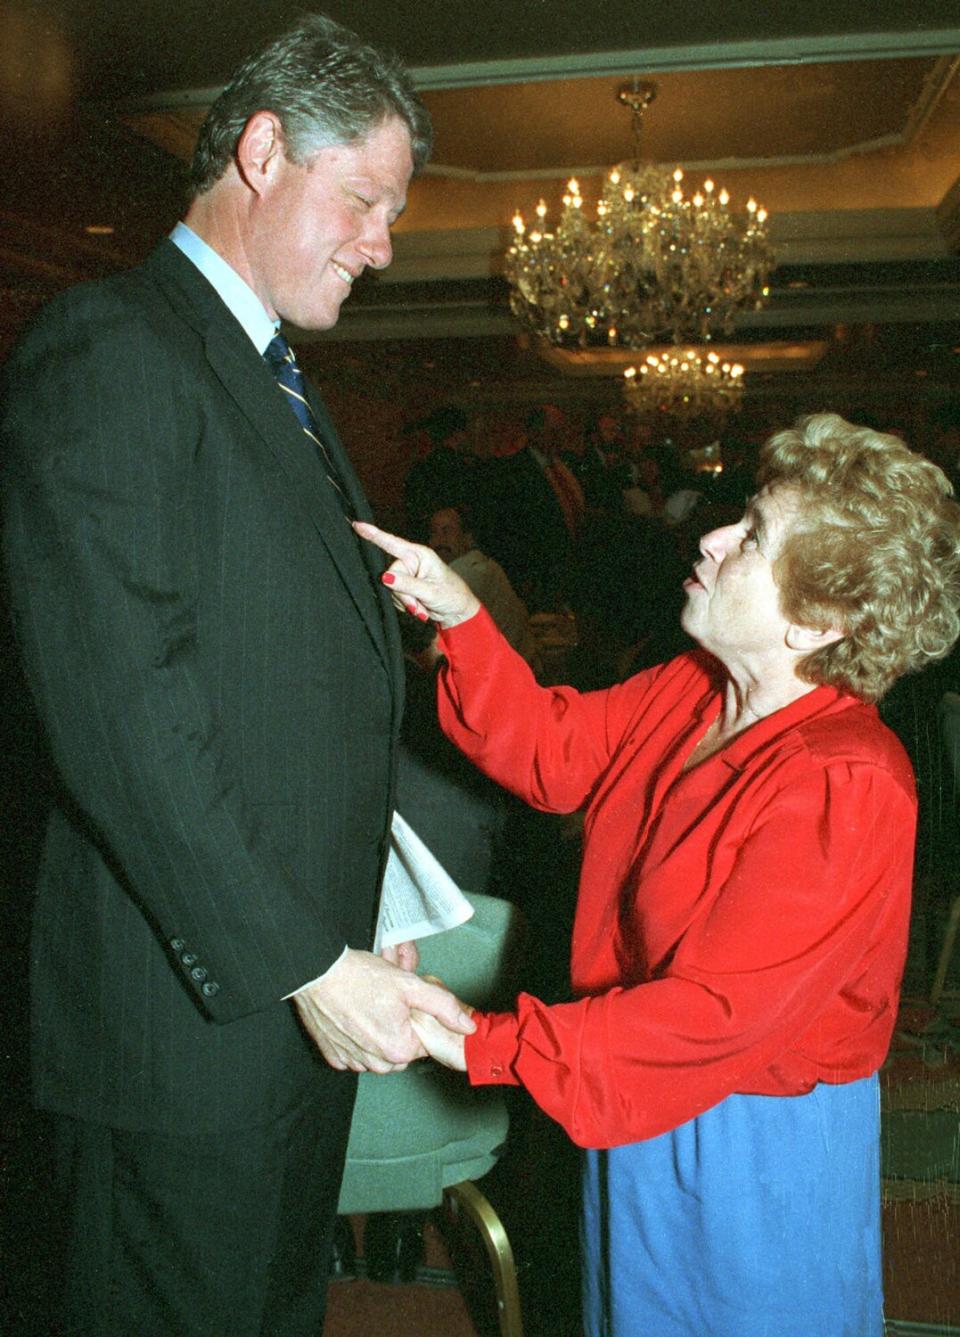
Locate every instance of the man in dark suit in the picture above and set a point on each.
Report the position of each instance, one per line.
(448, 475)
(219, 676)
(537, 505)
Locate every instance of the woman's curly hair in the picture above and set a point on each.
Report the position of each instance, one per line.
(874, 551)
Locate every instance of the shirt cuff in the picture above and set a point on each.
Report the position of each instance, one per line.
(311, 983)
(491, 1050)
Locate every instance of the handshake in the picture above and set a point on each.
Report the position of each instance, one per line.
(375, 1014)
(441, 1043)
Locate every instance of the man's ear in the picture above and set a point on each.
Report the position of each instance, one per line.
(260, 148)
(807, 639)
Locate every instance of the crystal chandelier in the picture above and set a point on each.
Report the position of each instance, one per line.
(656, 264)
(684, 384)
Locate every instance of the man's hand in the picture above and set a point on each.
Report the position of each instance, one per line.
(358, 1014)
(444, 1045)
(419, 581)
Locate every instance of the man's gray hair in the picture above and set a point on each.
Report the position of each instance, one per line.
(325, 86)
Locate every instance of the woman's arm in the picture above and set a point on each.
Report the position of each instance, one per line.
(790, 977)
(547, 745)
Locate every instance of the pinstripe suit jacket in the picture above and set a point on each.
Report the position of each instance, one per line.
(219, 676)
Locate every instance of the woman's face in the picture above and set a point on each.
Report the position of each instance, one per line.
(733, 603)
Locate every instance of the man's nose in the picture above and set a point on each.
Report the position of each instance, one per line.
(376, 246)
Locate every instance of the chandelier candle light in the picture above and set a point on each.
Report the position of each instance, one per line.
(656, 264)
(682, 384)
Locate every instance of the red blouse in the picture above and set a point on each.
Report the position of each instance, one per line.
(741, 927)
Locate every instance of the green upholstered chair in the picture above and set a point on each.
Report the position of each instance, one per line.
(421, 1137)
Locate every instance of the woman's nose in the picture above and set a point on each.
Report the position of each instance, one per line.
(717, 542)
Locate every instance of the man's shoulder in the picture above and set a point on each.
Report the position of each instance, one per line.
(143, 297)
(97, 339)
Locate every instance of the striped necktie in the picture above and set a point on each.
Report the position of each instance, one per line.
(279, 357)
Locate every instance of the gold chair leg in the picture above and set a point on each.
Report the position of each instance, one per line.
(470, 1200)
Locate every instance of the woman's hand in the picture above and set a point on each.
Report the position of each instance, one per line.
(406, 955)
(420, 582)
(441, 1044)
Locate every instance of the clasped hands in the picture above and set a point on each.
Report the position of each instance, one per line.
(375, 1014)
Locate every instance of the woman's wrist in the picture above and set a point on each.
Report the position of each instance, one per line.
(451, 620)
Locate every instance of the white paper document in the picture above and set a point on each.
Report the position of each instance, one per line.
(419, 896)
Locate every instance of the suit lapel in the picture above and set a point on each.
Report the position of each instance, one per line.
(247, 379)
(373, 559)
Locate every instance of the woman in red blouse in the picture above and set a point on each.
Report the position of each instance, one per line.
(742, 919)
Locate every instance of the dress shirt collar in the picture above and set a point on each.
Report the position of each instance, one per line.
(237, 296)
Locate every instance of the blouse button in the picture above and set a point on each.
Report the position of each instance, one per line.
(496, 1070)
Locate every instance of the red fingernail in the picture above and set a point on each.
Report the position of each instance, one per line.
(388, 578)
(411, 610)
(424, 617)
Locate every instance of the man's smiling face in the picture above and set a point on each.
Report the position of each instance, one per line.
(318, 224)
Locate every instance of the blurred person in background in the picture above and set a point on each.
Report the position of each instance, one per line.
(451, 537)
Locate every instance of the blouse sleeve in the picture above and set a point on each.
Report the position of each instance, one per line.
(548, 745)
(815, 904)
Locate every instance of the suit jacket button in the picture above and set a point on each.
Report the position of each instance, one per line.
(199, 974)
(177, 944)
(189, 958)
(210, 988)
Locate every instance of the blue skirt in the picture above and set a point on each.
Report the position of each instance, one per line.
(759, 1218)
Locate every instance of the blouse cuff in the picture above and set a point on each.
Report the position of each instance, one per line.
(468, 638)
(491, 1050)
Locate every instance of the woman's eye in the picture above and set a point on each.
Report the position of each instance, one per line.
(749, 537)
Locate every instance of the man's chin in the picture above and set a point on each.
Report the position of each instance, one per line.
(320, 318)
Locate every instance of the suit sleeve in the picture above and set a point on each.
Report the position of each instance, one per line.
(102, 427)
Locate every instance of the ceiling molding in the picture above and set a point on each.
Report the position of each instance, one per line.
(817, 299)
(714, 55)
(479, 318)
(837, 237)
(892, 141)
(944, 42)
(918, 116)
(865, 236)
(876, 303)
(934, 88)
(772, 356)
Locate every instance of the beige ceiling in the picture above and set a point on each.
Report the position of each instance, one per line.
(773, 113)
(857, 135)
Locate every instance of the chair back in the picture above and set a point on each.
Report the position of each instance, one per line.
(416, 1132)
